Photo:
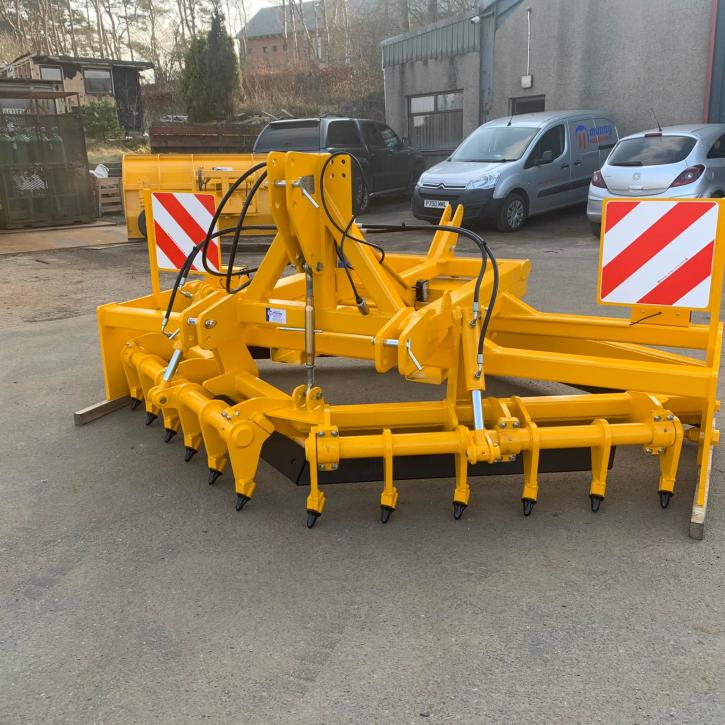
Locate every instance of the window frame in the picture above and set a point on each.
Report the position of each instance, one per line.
(58, 68)
(85, 69)
(436, 110)
(513, 100)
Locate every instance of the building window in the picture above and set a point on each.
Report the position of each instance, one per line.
(97, 82)
(274, 48)
(51, 73)
(526, 104)
(436, 121)
(264, 49)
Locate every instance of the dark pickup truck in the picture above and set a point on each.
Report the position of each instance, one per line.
(389, 165)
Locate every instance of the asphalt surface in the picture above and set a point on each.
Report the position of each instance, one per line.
(132, 592)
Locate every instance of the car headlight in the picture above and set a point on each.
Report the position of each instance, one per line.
(485, 182)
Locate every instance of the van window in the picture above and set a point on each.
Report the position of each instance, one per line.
(289, 136)
(495, 143)
(552, 140)
(342, 133)
(651, 150)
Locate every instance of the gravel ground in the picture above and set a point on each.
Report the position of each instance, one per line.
(132, 592)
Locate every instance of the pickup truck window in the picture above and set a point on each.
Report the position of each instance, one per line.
(295, 136)
(342, 133)
(389, 137)
(372, 135)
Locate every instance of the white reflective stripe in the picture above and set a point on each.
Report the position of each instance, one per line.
(197, 210)
(172, 228)
(162, 260)
(631, 226)
(697, 297)
(697, 236)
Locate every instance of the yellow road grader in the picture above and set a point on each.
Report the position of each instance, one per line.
(325, 288)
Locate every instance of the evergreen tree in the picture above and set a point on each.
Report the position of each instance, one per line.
(194, 82)
(210, 81)
(222, 68)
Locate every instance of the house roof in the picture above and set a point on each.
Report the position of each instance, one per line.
(269, 21)
(82, 60)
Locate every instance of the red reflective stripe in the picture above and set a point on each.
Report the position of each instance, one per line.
(208, 201)
(683, 280)
(180, 214)
(615, 211)
(167, 246)
(666, 229)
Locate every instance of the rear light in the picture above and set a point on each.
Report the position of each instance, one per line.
(598, 180)
(690, 174)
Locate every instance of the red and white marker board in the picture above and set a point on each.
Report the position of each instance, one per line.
(658, 252)
(181, 221)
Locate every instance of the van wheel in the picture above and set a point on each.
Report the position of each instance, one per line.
(512, 215)
(596, 229)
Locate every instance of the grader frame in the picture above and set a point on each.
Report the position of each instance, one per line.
(201, 377)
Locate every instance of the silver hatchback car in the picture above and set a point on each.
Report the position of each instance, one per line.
(673, 162)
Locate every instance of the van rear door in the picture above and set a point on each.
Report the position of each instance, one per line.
(584, 144)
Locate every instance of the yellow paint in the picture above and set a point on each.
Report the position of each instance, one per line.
(217, 399)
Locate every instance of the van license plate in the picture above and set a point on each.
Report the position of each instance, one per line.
(434, 203)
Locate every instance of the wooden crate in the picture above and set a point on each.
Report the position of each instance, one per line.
(110, 196)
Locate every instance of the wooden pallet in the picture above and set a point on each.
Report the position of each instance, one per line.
(110, 196)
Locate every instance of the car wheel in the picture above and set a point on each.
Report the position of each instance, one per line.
(596, 229)
(360, 197)
(141, 221)
(512, 215)
(418, 169)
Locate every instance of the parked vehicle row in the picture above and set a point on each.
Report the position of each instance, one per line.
(513, 168)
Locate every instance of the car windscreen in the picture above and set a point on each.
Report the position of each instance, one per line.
(297, 136)
(495, 143)
(652, 150)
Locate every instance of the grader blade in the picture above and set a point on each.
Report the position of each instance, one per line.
(188, 353)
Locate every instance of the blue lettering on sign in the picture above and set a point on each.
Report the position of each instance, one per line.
(593, 135)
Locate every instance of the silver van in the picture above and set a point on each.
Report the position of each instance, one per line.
(514, 167)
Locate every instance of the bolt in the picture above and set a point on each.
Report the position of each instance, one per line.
(661, 450)
(333, 467)
(334, 434)
(319, 267)
(657, 419)
(236, 413)
(209, 324)
(191, 321)
(670, 417)
(502, 424)
(162, 401)
(477, 375)
(319, 395)
(648, 450)
(517, 424)
(320, 433)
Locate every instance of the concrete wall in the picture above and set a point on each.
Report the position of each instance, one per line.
(432, 76)
(626, 56)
